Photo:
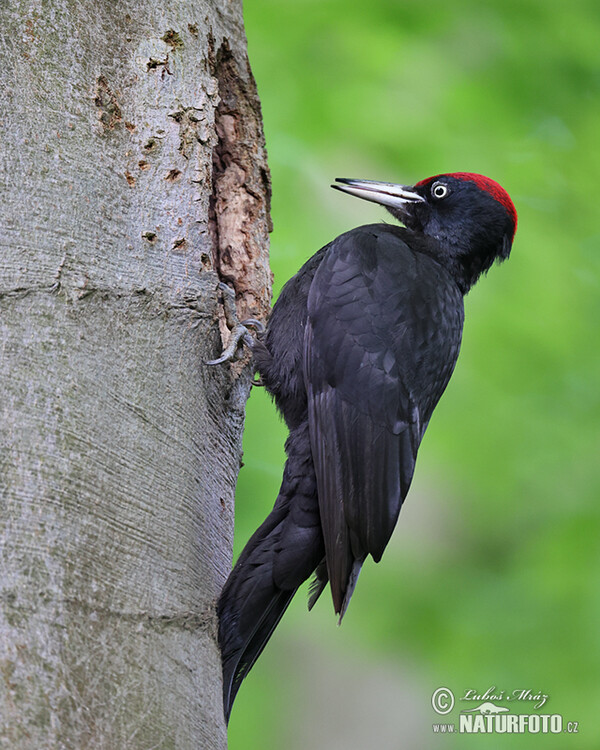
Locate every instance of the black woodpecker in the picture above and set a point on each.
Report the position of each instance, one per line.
(358, 350)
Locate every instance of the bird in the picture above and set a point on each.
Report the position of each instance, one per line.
(358, 349)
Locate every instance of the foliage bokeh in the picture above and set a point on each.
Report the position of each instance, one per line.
(492, 576)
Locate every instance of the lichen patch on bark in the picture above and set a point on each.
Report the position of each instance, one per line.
(108, 107)
(172, 38)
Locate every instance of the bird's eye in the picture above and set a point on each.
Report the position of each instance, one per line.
(439, 190)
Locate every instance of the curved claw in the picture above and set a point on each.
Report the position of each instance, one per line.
(240, 334)
(225, 357)
(255, 324)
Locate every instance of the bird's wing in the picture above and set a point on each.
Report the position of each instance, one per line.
(381, 341)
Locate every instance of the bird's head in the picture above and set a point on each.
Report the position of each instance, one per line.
(470, 219)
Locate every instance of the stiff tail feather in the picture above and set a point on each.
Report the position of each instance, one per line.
(239, 661)
(279, 557)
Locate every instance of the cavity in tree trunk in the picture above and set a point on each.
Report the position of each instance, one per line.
(134, 178)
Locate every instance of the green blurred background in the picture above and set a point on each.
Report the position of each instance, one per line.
(492, 577)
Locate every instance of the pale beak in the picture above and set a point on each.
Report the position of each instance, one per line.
(386, 193)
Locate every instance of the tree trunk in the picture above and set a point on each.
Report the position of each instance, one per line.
(134, 178)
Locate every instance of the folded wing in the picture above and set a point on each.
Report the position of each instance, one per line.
(381, 341)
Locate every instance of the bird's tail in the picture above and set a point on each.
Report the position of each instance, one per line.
(251, 628)
(281, 554)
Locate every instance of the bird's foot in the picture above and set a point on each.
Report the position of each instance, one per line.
(240, 333)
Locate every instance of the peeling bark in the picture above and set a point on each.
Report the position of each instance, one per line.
(241, 198)
(134, 179)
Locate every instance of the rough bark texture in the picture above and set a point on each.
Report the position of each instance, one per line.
(133, 176)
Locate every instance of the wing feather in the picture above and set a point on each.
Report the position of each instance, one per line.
(381, 340)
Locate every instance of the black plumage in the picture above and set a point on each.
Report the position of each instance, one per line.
(358, 350)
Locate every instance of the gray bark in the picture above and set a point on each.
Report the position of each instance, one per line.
(133, 179)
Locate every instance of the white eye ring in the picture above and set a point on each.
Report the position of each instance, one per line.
(439, 190)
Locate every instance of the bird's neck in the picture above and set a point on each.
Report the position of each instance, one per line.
(464, 265)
